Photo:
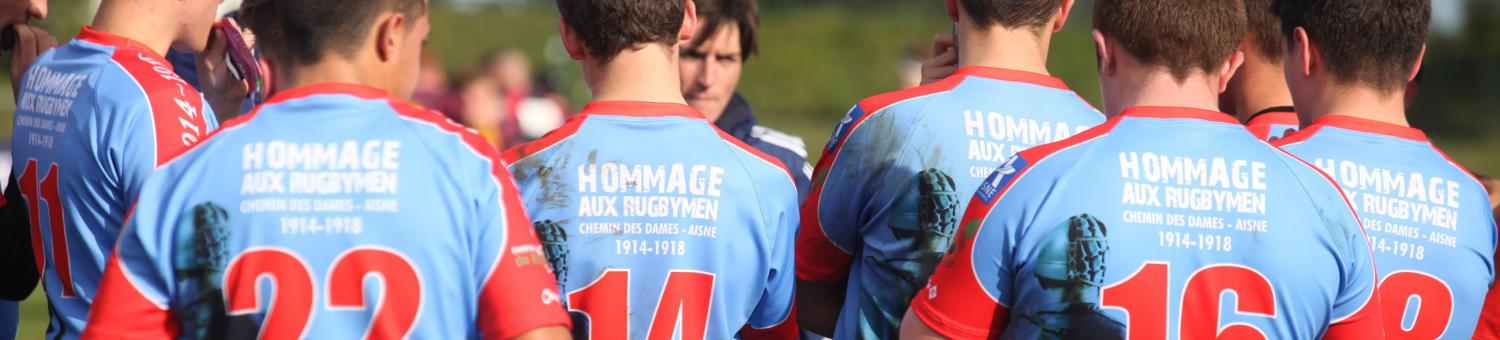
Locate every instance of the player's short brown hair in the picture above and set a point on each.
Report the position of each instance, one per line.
(1012, 14)
(608, 27)
(1180, 35)
(714, 14)
(1265, 28)
(301, 31)
(1375, 42)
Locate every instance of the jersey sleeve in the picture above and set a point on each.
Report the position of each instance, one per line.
(1489, 316)
(518, 291)
(132, 301)
(774, 309)
(833, 213)
(970, 293)
(1356, 310)
(148, 128)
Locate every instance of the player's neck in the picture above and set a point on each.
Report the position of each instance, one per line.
(1356, 101)
(647, 74)
(1160, 88)
(1259, 85)
(1014, 49)
(142, 21)
(328, 70)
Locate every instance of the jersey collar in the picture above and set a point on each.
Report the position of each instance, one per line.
(102, 38)
(1013, 76)
(641, 109)
(1371, 126)
(1178, 112)
(356, 90)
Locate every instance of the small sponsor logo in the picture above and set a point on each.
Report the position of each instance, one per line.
(999, 178)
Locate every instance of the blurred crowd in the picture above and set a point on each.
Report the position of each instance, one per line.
(500, 96)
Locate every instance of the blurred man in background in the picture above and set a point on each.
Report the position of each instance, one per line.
(93, 119)
(1065, 241)
(452, 249)
(711, 66)
(658, 225)
(24, 43)
(527, 111)
(1258, 94)
(1349, 63)
(887, 193)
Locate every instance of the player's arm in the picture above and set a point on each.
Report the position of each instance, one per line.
(519, 295)
(132, 300)
(969, 295)
(18, 268)
(1356, 310)
(773, 317)
(831, 220)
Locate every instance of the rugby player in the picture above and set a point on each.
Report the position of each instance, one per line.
(1257, 94)
(711, 65)
(658, 224)
(888, 191)
(1140, 228)
(93, 119)
(1429, 221)
(372, 217)
(21, 274)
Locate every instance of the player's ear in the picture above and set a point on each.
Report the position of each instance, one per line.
(952, 7)
(1417, 68)
(689, 23)
(1227, 71)
(1062, 16)
(1302, 52)
(571, 42)
(1101, 51)
(388, 35)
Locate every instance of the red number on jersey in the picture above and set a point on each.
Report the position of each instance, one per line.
(1143, 297)
(1434, 305)
(34, 192)
(607, 303)
(294, 290)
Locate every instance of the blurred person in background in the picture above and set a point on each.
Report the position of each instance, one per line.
(482, 107)
(15, 236)
(909, 69)
(434, 89)
(900, 166)
(528, 111)
(1349, 64)
(1258, 93)
(711, 65)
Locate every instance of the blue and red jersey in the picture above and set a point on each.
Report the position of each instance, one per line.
(94, 118)
(660, 225)
(332, 211)
(889, 189)
(1429, 221)
(1138, 229)
(1274, 123)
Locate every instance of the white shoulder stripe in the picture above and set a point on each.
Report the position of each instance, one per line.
(780, 139)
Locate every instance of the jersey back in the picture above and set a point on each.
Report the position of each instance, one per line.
(659, 224)
(890, 187)
(94, 118)
(333, 211)
(1139, 230)
(1430, 222)
(1274, 124)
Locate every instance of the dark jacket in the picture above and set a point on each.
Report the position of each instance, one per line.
(739, 121)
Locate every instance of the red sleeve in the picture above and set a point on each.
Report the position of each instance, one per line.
(120, 311)
(954, 303)
(818, 258)
(787, 330)
(1365, 324)
(520, 293)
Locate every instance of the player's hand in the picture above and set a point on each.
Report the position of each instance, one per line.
(944, 61)
(223, 92)
(31, 42)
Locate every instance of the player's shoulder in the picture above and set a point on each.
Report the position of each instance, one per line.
(432, 125)
(547, 142)
(906, 98)
(1046, 162)
(761, 165)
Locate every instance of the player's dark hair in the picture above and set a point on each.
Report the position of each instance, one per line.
(608, 27)
(714, 14)
(1375, 42)
(1032, 14)
(1265, 28)
(301, 31)
(1180, 35)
